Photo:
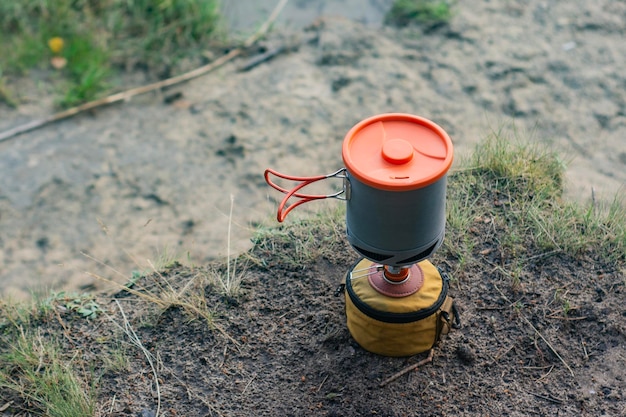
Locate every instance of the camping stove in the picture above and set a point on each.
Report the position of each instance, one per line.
(394, 185)
(390, 280)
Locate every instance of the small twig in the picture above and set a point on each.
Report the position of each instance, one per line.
(430, 384)
(66, 331)
(500, 355)
(112, 404)
(248, 384)
(554, 316)
(126, 95)
(122, 96)
(545, 397)
(490, 308)
(582, 342)
(409, 368)
(6, 406)
(544, 376)
(261, 58)
(549, 345)
(223, 356)
(538, 333)
(320, 387)
(538, 367)
(544, 255)
(227, 286)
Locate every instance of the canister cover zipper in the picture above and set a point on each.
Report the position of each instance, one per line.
(398, 318)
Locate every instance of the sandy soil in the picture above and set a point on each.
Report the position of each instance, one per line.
(152, 179)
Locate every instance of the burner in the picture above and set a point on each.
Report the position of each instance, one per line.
(407, 282)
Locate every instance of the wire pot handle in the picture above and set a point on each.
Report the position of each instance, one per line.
(283, 209)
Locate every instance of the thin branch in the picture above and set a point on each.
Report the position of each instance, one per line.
(409, 368)
(538, 333)
(128, 94)
(264, 57)
(545, 397)
(549, 345)
(248, 384)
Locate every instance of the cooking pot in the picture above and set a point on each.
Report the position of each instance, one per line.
(394, 183)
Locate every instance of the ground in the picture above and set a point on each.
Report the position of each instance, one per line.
(153, 177)
(549, 341)
(542, 330)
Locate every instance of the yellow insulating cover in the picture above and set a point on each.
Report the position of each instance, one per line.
(396, 339)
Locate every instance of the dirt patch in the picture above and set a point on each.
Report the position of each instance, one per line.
(282, 346)
(155, 176)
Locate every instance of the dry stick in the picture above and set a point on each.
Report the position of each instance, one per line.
(112, 404)
(320, 387)
(582, 342)
(548, 343)
(500, 355)
(545, 375)
(409, 368)
(545, 397)
(537, 331)
(126, 95)
(66, 331)
(248, 384)
(223, 356)
(258, 60)
(6, 406)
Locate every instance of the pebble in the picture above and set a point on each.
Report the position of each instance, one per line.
(466, 355)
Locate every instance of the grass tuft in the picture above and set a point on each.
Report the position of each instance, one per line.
(421, 12)
(298, 241)
(519, 167)
(35, 368)
(506, 203)
(577, 229)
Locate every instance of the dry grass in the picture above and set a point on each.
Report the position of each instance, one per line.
(34, 367)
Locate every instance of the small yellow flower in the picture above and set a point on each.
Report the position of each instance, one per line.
(55, 44)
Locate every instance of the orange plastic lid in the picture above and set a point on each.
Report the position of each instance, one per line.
(397, 152)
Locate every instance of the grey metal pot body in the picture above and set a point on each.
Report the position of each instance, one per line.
(395, 228)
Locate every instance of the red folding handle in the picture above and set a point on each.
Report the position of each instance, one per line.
(283, 209)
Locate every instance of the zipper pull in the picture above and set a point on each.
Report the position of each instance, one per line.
(340, 289)
(444, 275)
